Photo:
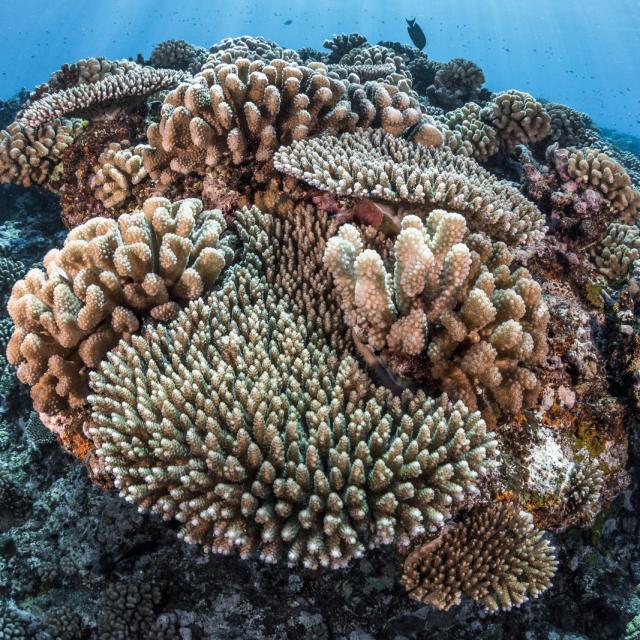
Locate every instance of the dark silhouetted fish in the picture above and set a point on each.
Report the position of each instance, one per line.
(416, 34)
(287, 22)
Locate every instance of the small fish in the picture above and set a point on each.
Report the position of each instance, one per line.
(416, 34)
(288, 22)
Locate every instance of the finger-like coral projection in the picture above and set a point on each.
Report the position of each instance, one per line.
(495, 556)
(453, 297)
(28, 155)
(178, 54)
(466, 134)
(109, 271)
(518, 117)
(592, 168)
(250, 48)
(246, 110)
(372, 164)
(244, 424)
(339, 45)
(455, 82)
(616, 252)
(119, 168)
(136, 83)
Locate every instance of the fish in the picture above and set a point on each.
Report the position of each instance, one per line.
(288, 22)
(416, 34)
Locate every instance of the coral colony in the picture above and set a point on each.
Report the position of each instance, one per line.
(314, 303)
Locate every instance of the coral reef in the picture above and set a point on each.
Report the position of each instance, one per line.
(68, 317)
(495, 556)
(246, 328)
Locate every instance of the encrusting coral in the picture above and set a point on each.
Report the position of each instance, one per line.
(518, 118)
(108, 271)
(372, 164)
(247, 427)
(495, 556)
(452, 297)
(137, 82)
(119, 168)
(244, 110)
(29, 155)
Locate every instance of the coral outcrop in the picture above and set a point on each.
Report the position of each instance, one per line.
(455, 82)
(495, 556)
(178, 54)
(70, 315)
(328, 466)
(617, 251)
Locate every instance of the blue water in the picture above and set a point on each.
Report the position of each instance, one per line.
(580, 52)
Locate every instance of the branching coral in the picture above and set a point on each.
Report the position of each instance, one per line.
(339, 45)
(371, 164)
(567, 127)
(590, 167)
(245, 110)
(376, 63)
(495, 556)
(119, 168)
(466, 134)
(247, 427)
(518, 117)
(68, 317)
(112, 88)
(28, 155)
(616, 252)
(583, 490)
(455, 82)
(453, 297)
(178, 54)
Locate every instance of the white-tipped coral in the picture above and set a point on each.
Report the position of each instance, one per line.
(454, 298)
(93, 289)
(617, 251)
(247, 427)
(495, 556)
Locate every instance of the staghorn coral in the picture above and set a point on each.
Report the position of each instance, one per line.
(136, 83)
(236, 112)
(251, 48)
(466, 134)
(178, 54)
(617, 251)
(119, 169)
(495, 556)
(108, 271)
(341, 44)
(592, 168)
(245, 425)
(455, 82)
(372, 164)
(452, 297)
(29, 155)
(518, 118)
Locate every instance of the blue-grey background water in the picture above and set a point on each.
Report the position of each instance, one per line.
(583, 53)
(79, 563)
